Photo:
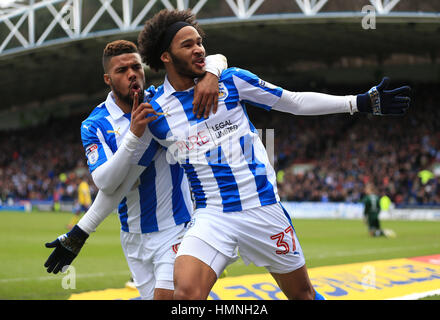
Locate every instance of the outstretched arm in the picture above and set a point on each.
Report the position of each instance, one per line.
(377, 101)
(313, 103)
(109, 176)
(206, 91)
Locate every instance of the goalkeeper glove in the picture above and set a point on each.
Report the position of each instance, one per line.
(67, 247)
(379, 101)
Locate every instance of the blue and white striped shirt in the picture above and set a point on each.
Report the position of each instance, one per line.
(161, 199)
(223, 156)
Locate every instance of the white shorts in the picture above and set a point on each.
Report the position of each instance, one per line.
(150, 258)
(263, 235)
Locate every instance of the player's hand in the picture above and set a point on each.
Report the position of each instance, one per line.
(141, 115)
(206, 95)
(380, 101)
(67, 247)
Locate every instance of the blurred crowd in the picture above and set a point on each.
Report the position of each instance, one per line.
(397, 154)
(42, 163)
(325, 158)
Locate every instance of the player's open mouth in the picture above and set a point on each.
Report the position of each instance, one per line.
(134, 87)
(200, 62)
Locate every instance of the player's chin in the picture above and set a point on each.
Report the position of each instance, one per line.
(198, 69)
(199, 72)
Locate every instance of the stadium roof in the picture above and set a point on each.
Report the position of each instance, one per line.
(50, 51)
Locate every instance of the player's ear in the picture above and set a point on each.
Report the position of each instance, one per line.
(107, 79)
(165, 57)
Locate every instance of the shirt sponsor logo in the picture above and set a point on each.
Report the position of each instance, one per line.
(195, 140)
(223, 128)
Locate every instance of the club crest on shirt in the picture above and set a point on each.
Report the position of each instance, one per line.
(223, 91)
(92, 153)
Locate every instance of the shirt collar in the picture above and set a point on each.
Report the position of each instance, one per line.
(168, 89)
(112, 107)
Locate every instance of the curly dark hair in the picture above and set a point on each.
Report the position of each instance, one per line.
(116, 48)
(154, 31)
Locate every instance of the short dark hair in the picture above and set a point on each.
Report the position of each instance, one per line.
(154, 30)
(116, 48)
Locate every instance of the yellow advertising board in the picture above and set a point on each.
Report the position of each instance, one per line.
(408, 278)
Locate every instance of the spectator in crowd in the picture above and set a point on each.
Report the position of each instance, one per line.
(342, 154)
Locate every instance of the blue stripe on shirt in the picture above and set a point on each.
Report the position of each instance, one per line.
(225, 180)
(180, 211)
(109, 135)
(159, 127)
(233, 97)
(265, 189)
(227, 78)
(186, 99)
(89, 136)
(148, 199)
(251, 125)
(254, 80)
(149, 154)
(123, 214)
(196, 185)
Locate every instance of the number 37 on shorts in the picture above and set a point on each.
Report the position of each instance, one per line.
(283, 242)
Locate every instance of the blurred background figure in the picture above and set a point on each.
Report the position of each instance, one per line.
(371, 202)
(84, 201)
(386, 205)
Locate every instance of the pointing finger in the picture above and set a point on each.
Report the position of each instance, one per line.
(135, 102)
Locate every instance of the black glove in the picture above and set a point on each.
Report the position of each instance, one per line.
(67, 247)
(379, 101)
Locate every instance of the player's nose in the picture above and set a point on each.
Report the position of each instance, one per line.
(199, 51)
(131, 76)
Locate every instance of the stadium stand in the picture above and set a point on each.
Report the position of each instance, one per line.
(347, 152)
(326, 158)
(42, 162)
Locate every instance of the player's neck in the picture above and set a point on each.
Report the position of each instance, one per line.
(122, 105)
(179, 82)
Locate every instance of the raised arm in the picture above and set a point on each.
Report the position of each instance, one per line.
(206, 91)
(138, 141)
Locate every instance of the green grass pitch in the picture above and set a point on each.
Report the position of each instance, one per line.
(101, 263)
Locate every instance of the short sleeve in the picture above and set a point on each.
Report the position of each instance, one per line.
(252, 89)
(93, 145)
